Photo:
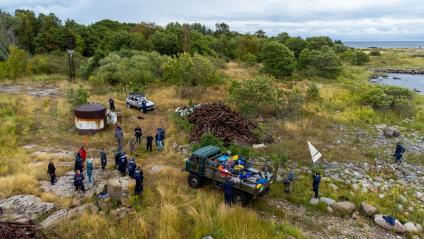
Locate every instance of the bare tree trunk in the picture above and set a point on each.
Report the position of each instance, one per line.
(7, 38)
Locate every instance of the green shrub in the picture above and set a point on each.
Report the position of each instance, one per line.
(375, 52)
(16, 65)
(77, 97)
(395, 98)
(190, 71)
(249, 59)
(324, 63)
(256, 96)
(356, 57)
(54, 63)
(277, 59)
(313, 91)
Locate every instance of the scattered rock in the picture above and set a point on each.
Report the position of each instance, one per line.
(120, 212)
(333, 186)
(355, 187)
(398, 227)
(258, 146)
(207, 237)
(368, 209)
(23, 208)
(391, 132)
(327, 201)
(329, 209)
(314, 201)
(55, 219)
(343, 207)
(381, 196)
(410, 227)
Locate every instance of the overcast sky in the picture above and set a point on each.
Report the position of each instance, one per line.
(340, 19)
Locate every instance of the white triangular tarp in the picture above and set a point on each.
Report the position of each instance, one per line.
(315, 154)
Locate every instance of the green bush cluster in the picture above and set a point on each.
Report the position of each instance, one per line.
(390, 98)
(356, 57)
(375, 52)
(324, 63)
(278, 60)
(76, 97)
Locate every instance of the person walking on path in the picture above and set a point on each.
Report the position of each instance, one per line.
(78, 163)
(228, 191)
(79, 181)
(51, 170)
(139, 178)
(132, 146)
(123, 164)
(400, 150)
(315, 184)
(149, 142)
(83, 154)
(111, 104)
(103, 159)
(291, 178)
(90, 168)
(118, 156)
(138, 133)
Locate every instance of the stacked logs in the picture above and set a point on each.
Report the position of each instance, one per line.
(224, 123)
(17, 230)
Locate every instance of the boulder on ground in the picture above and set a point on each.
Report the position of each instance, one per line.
(368, 209)
(114, 188)
(333, 186)
(314, 201)
(355, 187)
(55, 219)
(120, 212)
(391, 132)
(343, 207)
(327, 201)
(23, 208)
(398, 227)
(411, 227)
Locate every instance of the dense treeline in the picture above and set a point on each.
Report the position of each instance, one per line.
(138, 53)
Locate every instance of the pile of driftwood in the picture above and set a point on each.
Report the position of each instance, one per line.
(17, 230)
(224, 123)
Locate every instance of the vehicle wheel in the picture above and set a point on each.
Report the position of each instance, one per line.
(128, 106)
(194, 181)
(240, 198)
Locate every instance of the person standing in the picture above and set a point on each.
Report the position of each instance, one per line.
(78, 163)
(159, 141)
(291, 178)
(149, 142)
(83, 154)
(400, 150)
(111, 104)
(144, 106)
(132, 146)
(118, 155)
(119, 135)
(131, 167)
(228, 191)
(79, 181)
(138, 133)
(123, 164)
(51, 170)
(315, 184)
(90, 168)
(103, 158)
(139, 178)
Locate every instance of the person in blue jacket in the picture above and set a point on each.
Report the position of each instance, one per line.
(90, 168)
(315, 184)
(131, 167)
(122, 167)
(228, 192)
(79, 181)
(139, 178)
(78, 163)
(399, 152)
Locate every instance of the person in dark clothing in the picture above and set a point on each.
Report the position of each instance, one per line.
(139, 178)
(315, 184)
(399, 152)
(290, 178)
(119, 136)
(103, 158)
(138, 133)
(228, 192)
(131, 167)
(122, 167)
(149, 142)
(144, 106)
(159, 142)
(118, 155)
(79, 181)
(78, 163)
(51, 170)
(111, 104)
(162, 133)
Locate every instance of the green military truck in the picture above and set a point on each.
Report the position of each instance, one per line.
(202, 169)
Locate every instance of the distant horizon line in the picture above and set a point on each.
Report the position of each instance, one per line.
(382, 40)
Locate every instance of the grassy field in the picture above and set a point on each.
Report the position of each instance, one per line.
(169, 208)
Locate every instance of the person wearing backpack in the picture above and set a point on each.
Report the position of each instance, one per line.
(79, 181)
(90, 168)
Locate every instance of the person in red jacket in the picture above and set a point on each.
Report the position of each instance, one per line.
(83, 154)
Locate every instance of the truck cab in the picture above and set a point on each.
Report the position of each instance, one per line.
(206, 165)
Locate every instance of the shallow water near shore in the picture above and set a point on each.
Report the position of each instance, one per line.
(410, 81)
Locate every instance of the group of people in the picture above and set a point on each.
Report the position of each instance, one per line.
(138, 133)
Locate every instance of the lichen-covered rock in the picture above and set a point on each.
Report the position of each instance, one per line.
(344, 207)
(22, 208)
(368, 209)
(398, 227)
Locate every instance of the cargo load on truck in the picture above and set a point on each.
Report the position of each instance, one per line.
(208, 164)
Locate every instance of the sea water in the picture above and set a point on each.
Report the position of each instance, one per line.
(385, 44)
(410, 81)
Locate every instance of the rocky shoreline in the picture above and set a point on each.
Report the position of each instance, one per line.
(400, 71)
